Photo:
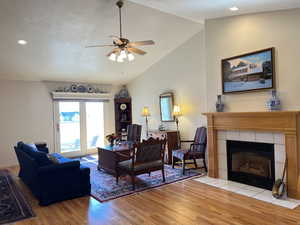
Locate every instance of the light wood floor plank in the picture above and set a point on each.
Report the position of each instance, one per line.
(183, 203)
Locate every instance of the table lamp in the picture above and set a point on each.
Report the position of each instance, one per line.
(177, 113)
(146, 114)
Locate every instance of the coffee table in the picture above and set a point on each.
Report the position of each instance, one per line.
(108, 158)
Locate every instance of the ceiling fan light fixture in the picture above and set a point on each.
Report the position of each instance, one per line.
(123, 54)
(120, 59)
(130, 57)
(123, 47)
(113, 57)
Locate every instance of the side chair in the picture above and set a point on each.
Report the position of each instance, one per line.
(196, 151)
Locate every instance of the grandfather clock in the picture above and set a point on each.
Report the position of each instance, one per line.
(123, 115)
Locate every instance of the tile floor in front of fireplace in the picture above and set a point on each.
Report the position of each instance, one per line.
(249, 191)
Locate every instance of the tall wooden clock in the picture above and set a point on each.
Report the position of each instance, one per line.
(123, 115)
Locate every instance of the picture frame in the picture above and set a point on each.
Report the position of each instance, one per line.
(254, 71)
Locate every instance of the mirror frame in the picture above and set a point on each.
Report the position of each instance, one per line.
(166, 95)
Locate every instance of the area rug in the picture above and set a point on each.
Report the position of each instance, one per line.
(104, 187)
(13, 206)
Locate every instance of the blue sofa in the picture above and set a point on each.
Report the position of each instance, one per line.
(51, 180)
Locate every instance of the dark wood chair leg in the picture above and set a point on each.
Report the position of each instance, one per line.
(204, 163)
(195, 162)
(133, 181)
(173, 162)
(163, 173)
(117, 177)
(149, 174)
(183, 166)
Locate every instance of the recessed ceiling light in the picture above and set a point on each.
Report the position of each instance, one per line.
(234, 8)
(22, 42)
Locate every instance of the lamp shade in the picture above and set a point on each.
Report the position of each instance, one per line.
(177, 110)
(145, 111)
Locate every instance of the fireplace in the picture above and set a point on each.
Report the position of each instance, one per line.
(251, 163)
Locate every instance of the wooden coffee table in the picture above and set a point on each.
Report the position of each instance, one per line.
(108, 158)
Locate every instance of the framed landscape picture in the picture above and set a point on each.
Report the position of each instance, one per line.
(251, 71)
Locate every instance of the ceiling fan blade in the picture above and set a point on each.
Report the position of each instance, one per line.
(116, 39)
(96, 46)
(137, 51)
(140, 43)
(116, 51)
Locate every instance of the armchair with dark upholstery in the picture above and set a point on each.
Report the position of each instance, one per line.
(145, 157)
(134, 132)
(196, 151)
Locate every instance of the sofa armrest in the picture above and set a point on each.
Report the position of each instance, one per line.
(85, 179)
(85, 170)
(59, 181)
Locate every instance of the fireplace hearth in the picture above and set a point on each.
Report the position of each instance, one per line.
(251, 163)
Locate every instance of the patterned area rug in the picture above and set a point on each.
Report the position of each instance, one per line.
(13, 206)
(104, 187)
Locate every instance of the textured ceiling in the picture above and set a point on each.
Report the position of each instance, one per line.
(199, 10)
(58, 30)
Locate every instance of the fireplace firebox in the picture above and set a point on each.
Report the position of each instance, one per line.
(251, 163)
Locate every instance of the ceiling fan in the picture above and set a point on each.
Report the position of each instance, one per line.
(123, 47)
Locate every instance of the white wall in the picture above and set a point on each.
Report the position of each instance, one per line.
(226, 37)
(26, 113)
(182, 71)
(193, 70)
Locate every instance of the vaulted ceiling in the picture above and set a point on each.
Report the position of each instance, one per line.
(58, 30)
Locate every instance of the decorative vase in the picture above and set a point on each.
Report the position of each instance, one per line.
(123, 93)
(219, 104)
(274, 103)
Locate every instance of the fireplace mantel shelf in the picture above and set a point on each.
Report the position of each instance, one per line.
(280, 121)
(286, 122)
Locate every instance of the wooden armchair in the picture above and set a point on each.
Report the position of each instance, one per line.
(146, 157)
(196, 151)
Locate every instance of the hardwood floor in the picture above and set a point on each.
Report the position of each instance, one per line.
(188, 202)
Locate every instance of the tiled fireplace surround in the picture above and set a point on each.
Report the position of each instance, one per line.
(280, 128)
(251, 136)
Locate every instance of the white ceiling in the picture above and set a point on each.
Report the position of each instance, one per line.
(199, 10)
(58, 30)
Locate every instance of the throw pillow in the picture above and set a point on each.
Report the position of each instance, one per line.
(40, 157)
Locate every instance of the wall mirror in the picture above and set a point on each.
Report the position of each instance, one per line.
(166, 103)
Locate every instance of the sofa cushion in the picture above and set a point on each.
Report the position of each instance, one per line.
(60, 159)
(40, 157)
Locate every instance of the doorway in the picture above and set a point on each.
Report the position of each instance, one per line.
(79, 127)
